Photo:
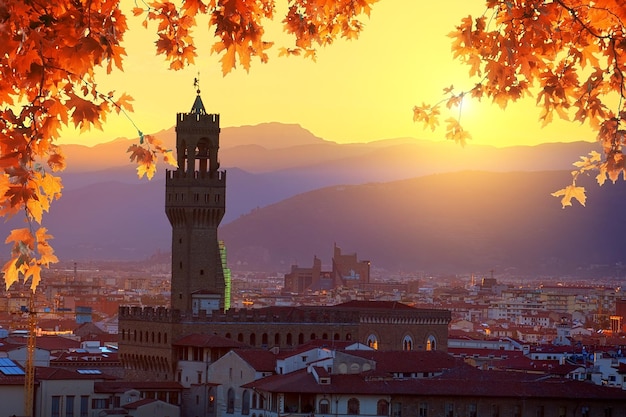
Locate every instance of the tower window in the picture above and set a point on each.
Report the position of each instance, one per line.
(217, 198)
(180, 265)
(202, 272)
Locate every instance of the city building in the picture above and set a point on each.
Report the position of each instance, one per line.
(195, 205)
(347, 271)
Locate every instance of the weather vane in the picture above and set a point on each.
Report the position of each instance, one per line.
(196, 83)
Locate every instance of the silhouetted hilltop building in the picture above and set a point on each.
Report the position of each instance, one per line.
(347, 271)
(152, 340)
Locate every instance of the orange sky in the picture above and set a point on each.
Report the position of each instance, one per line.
(358, 91)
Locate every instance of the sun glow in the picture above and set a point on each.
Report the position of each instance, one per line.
(355, 91)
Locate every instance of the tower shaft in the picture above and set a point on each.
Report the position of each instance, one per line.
(195, 204)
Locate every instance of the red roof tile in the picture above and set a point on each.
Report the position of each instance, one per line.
(49, 373)
(411, 361)
(136, 404)
(55, 343)
(260, 360)
(486, 384)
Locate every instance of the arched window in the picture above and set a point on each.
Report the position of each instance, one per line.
(159, 337)
(277, 339)
(343, 368)
(336, 336)
(252, 339)
(372, 341)
(325, 336)
(289, 339)
(245, 403)
(254, 401)
(264, 339)
(407, 343)
(353, 406)
(240, 337)
(382, 408)
(324, 407)
(431, 343)
(230, 401)
(313, 336)
(165, 338)
(300, 339)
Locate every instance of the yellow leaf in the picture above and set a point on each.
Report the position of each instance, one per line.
(33, 271)
(21, 235)
(10, 272)
(569, 192)
(148, 169)
(168, 157)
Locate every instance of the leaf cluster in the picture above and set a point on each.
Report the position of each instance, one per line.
(569, 54)
(238, 27)
(49, 51)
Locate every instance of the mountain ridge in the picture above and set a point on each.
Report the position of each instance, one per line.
(108, 213)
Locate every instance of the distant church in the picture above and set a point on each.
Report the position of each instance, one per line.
(195, 203)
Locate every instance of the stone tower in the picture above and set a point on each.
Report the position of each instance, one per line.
(195, 202)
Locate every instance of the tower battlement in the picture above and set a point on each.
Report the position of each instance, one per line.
(327, 314)
(197, 122)
(175, 177)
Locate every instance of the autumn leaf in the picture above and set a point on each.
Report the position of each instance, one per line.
(10, 273)
(123, 103)
(572, 55)
(455, 132)
(570, 192)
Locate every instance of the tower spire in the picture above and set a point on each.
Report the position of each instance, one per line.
(198, 106)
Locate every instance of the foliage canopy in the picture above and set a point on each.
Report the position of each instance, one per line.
(50, 52)
(570, 53)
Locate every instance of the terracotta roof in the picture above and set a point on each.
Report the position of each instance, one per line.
(368, 305)
(49, 373)
(410, 361)
(88, 329)
(77, 358)
(57, 324)
(136, 404)
(208, 341)
(486, 384)
(7, 346)
(260, 360)
(53, 343)
(485, 353)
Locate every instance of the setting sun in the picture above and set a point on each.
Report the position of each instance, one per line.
(356, 91)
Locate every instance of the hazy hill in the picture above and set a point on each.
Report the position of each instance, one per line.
(270, 162)
(454, 222)
(291, 195)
